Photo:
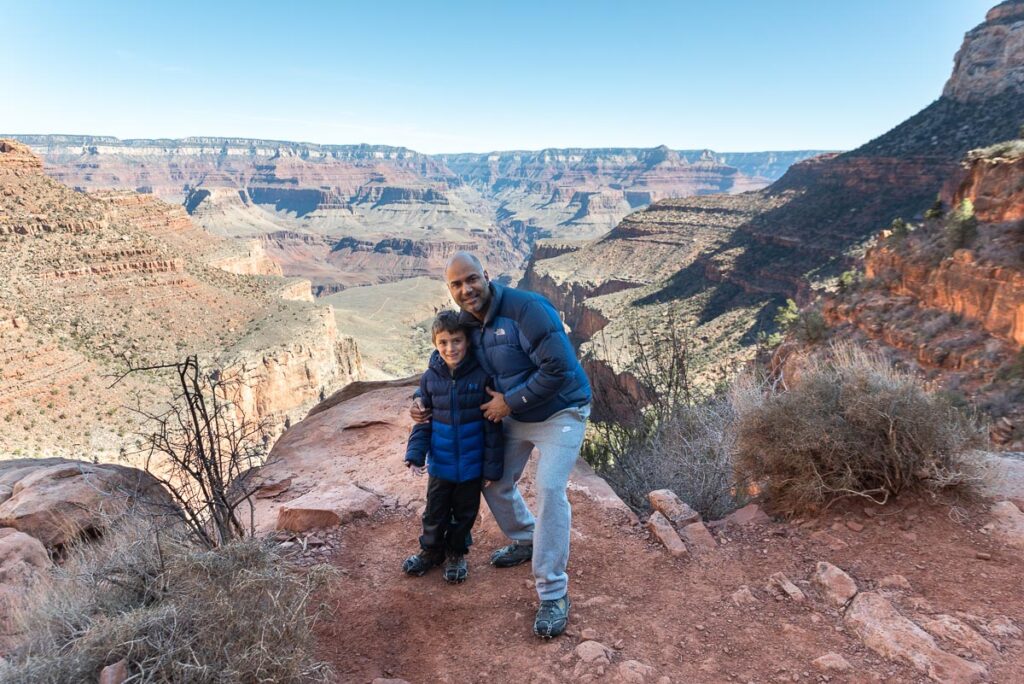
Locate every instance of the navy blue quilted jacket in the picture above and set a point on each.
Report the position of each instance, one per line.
(523, 346)
(458, 444)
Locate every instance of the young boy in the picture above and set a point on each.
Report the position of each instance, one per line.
(465, 450)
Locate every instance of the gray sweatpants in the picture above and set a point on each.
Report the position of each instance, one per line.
(558, 439)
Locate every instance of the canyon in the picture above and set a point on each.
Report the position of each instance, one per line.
(723, 264)
(356, 215)
(95, 282)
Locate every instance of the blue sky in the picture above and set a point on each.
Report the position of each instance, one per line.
(731, 75)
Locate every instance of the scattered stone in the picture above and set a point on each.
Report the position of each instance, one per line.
(885, 631)
(744, 597)
(663, 531)
(697, 535)
(635, 672)
(1009, 525)
(782, 583)
(382, 680)
(114, 674)
(855, 526)
(951, 629)
(589, 634)
(982, 555)
(673, 508)
(594, 653)
(751, 514)
(835, 585)
(894, 582)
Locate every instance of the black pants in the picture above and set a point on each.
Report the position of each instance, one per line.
(449, 516)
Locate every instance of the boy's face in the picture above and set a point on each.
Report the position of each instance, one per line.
(452, 346)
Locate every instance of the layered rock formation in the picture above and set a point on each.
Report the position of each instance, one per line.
(93, 281)
(328, 197)
(954, 309)
(747, 253)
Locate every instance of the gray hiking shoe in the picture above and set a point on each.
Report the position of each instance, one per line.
(552, 617)
(418, 565)
(455, 569)
(513, 554)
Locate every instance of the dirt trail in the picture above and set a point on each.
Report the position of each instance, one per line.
(675, 616)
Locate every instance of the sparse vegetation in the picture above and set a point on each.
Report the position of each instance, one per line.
(851, 426)
(936, 211)
(671, 436)
(176, 612)
(961, 227)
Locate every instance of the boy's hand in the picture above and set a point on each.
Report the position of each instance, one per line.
(488, 483)
(418, 413)
(496, 408)
(417, 470)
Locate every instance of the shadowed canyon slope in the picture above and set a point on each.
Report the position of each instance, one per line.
(93, 279)
(350, 215)
(724, 263)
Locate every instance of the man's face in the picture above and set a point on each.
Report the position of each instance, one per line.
(468, 286)
(452, 346)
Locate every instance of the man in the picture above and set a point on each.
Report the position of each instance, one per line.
(543, 398)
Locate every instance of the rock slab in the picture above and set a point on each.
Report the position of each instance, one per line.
(662, 530)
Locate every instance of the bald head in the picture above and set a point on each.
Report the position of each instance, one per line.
(467, 282)
(467, 258)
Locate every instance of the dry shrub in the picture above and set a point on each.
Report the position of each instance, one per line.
(851, 425)
(689, 451)
(175, 611)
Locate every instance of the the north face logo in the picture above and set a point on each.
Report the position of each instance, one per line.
(499, 332)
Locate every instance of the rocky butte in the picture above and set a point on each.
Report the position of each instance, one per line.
(93, 281)
(724, 263)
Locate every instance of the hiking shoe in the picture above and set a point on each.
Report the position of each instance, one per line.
(418, 565)
(513, 554)
(455, 569)
(552, 617)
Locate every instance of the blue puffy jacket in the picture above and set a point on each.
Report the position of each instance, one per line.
(458, 444)
(523, 346)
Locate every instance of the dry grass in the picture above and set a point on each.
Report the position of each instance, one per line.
(851, 426)
(689, 452)
(239, 613)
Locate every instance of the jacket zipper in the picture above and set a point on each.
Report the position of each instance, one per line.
(455, 421)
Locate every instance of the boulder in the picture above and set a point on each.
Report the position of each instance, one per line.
(882, 629)
(835, 585)
(698, 536)
(59, 499)
(960, 633)
(672, 507)
(22, 557)
(114, 674)
(662, 530)
(1009, 523)
(326, 508)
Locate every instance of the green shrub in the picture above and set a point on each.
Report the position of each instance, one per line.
(848, 280)
(936, 211)
(787, 315)
(851, 425)
(961, 226)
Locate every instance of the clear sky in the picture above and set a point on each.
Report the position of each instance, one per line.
(731, 75)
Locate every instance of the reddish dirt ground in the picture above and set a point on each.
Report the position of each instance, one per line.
(676, 616)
